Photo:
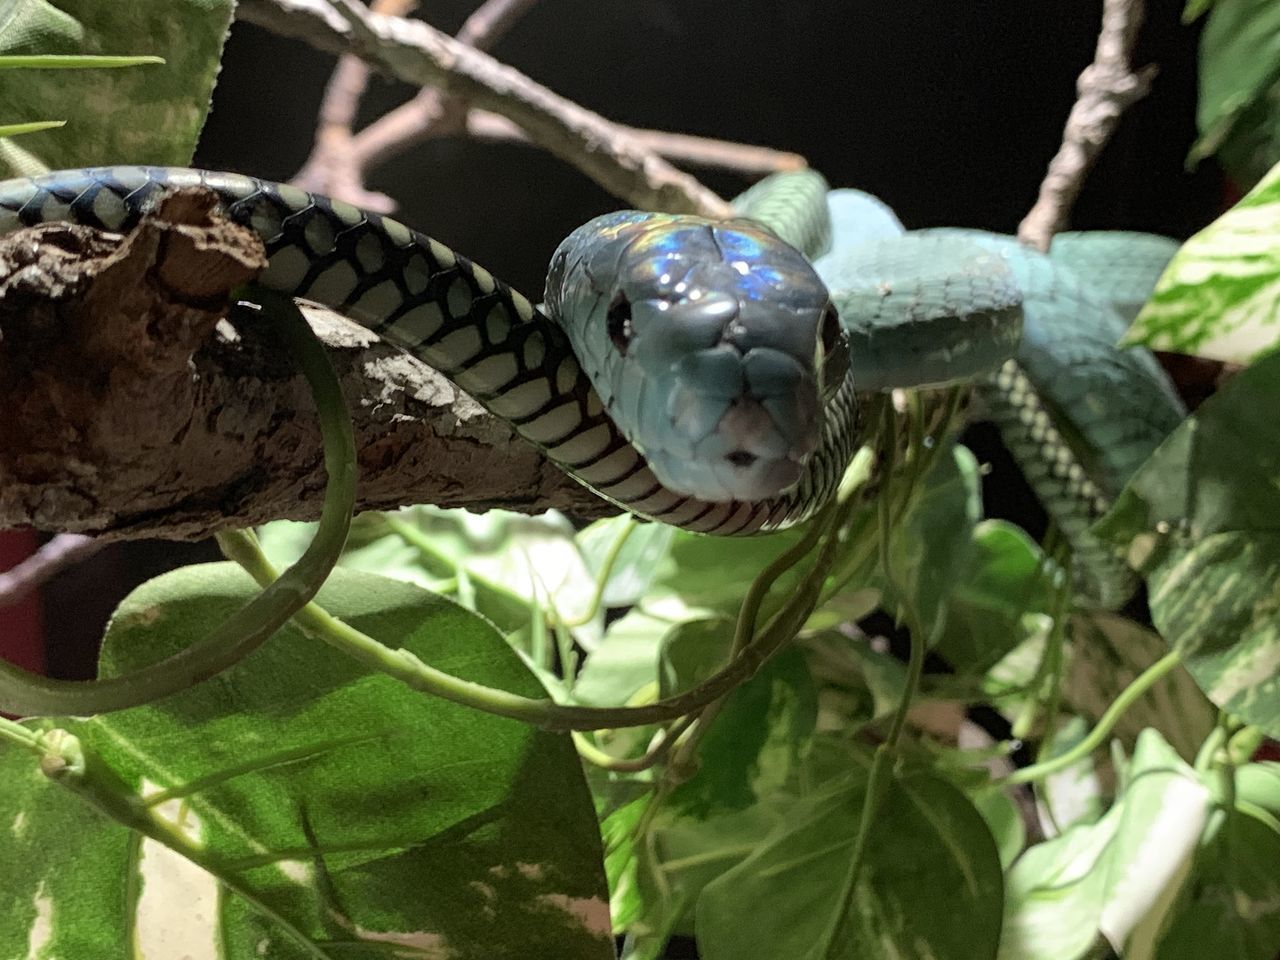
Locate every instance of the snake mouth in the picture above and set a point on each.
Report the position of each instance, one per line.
(731, 450)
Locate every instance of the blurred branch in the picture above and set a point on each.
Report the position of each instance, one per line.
(330, 168)
(413, 123)
(341, 160)
(412, 51)
(59, 553)
(1106, 88)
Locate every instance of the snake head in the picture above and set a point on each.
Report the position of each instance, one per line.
(714, 345)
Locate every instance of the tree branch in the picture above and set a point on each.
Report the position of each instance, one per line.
(135, 408)
(329, 169)
(412, 51)
(1106, 88)
(59, 553)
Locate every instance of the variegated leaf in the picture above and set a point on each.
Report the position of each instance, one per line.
(1220, 296)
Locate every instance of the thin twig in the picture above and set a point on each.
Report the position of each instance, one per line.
(59, 553)
(420, 119)
(329, 168)
(1106, 88)
(335, 166)
(416, 53)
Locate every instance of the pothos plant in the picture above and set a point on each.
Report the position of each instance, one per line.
(509, 736)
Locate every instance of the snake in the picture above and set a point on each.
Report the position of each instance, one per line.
(714, 374)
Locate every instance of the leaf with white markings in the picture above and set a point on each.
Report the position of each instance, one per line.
(147, 114)
(1233, 898)
(1202, 521)
(930, 887)
(367, 817)
(1220, 295)
(1115, 878)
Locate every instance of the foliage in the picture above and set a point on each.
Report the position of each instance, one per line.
(320, 798)
(1218, 298)
(150, 114)
(1239, 110)
(836, 802)
(1201, 518)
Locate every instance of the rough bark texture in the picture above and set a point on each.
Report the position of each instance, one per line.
(132, 406)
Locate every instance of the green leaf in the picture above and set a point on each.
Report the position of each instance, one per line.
(707, 572)
(1111, 877)
(684, 853)
(35, 126)
(1203, 518)
(756, 742)
(1195, 9)
(637, 563)
(998, 600)
(360, 811)
(1107, 653)
(500, 564)
(1232, 900)
(1239, 106)
(147, 114)
(626, 660)
(1220, 296)
(930, 885)
(712, 820)
(1259, 784)
(1004, 821)
(930, 549)
(859, 683)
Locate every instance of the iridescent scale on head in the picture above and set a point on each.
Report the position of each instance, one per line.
(713, 344)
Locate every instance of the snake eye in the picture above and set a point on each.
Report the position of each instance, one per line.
(831, 330)
(835, 354)
(618, 322)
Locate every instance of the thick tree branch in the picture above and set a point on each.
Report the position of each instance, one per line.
(1106, 88)
(135, 408)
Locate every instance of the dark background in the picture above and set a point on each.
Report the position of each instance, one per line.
(949, 111)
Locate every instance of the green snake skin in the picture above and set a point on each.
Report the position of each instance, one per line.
(1078, 414)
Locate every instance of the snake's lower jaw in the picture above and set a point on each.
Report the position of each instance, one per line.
(738, 477)
(747, 456)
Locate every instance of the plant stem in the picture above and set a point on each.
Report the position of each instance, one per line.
(409, 669)
(606, 571)
(71, 61)
(879, 777)
(65, 762)
(26, 693)
(1098, 735)
(666, 740)
(16, 733)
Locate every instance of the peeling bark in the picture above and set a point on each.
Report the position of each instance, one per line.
(134, 406)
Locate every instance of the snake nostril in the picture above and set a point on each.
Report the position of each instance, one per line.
(741, 458)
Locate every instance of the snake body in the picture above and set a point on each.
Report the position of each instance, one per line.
(691, 371)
